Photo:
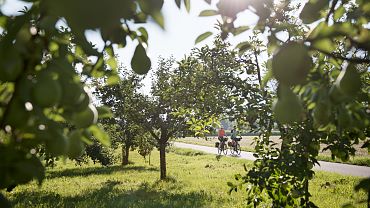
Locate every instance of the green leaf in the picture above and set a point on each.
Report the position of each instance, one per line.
(203, 37)
(230, 184)
(326, 45)
(97, 69)
(104, 112)
(158, 18)
(112, 80)
(239, 30)
(209, 12)
(187, 5)
(311, 106)
(144, 34)
(100, 135)
(339, 12)
(197, 128)
(266, 78)
(112, 63)
(53, 47)
(364, 39)
(178, 3)
(3, 21)
(140, 62)
(338, 29)
(311, 11)
(243, 46)
(366, 8)
(87, 137)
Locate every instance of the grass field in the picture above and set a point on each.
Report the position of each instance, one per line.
(195, 180)
(362, 156)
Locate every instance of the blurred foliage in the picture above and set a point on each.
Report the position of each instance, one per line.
(322, 89)
(45, 62)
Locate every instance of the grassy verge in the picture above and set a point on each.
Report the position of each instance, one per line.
(195, 179)
(246, 144)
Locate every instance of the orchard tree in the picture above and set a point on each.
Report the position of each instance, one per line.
(322, 93)
(122, 127)
(158, 110)
(212, 80)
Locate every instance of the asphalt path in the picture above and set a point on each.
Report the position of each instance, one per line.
(344, 169)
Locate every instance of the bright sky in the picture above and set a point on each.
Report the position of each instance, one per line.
(178, 38)
(181, 30)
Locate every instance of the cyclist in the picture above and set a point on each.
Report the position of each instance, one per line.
(234, 134)
(221, 136)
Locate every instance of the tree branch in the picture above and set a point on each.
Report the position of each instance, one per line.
(337, 56)
(332, 8)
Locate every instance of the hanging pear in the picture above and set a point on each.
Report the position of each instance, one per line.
(349, 81)
(287, 108)
(291, 64)
(321, 113)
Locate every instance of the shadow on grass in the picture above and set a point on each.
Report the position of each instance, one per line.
(112, 194)
(78, 171)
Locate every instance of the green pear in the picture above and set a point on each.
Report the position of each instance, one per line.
(287, 108)
(17, 116)
(349, 81)
(81, 106)
(25, 87)
(291, 64)
(75, 145)
(72, 92)
(344, 118)
(47, 91)
(140, 62)
(11, 65)
(321, 113)
(336, 96)
(85, 118)
(56, 143)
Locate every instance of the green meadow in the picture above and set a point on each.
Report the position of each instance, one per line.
(195, 179)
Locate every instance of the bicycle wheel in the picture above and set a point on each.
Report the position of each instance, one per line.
(238, 149)
(225, 149)
(219, 149)
(232, 151)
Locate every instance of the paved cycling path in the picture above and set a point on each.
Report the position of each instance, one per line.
(344, 169)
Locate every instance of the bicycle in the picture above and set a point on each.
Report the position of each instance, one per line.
(235, 148)
(222, 147)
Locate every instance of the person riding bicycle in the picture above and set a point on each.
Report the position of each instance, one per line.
(234, 134)
(222, 135)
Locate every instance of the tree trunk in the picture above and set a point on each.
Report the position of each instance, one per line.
(162, 157)
(149, 157)
(306, 194)
(125, 154)
(258, 69)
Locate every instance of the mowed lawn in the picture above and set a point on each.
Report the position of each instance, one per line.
(247, 144)
(195, 180)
